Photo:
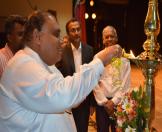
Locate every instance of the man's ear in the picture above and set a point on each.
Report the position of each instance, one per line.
(36, 36)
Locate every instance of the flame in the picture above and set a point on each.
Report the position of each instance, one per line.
(128, 55)
(131, 54)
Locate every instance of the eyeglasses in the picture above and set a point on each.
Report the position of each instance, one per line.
(73, 30)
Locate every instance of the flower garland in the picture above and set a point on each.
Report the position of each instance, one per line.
(116, 64)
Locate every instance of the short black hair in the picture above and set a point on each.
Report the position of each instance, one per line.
(11, 21)
(70, 21)
(35, 21)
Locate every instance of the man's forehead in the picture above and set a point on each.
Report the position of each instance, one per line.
(74, 24)
(109, 31)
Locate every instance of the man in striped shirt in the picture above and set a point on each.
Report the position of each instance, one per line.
(14, 29)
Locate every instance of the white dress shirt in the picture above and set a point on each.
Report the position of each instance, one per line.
(77, 54)
(113, 83)
(34, 97)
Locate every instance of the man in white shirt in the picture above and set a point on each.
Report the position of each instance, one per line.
(34, 97)
(113, 83)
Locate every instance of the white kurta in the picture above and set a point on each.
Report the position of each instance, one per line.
(113, 83)
(34, 97)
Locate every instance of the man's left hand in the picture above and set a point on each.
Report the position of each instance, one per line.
(109, 107)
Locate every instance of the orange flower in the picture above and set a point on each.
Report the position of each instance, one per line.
(119, 108)
(118, 129)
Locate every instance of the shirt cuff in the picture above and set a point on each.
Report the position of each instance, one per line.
(115, 100)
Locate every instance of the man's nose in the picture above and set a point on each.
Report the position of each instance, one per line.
(109, 38)
(77, 30)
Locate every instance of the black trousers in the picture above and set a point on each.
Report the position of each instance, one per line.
(81, 116)
(103, 121)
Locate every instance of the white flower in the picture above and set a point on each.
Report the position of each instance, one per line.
(129, 129)
(127, 106)
(136, 89)
(120, 123)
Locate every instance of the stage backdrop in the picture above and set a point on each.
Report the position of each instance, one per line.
(24, 7)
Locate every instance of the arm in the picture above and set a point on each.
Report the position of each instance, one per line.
(99, 94)
(2, 64)
(44, 92)
(105, 88)
(31, 85)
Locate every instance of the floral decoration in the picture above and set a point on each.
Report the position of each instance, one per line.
(133, 111)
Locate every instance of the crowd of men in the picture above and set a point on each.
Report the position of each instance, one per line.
(49, 84)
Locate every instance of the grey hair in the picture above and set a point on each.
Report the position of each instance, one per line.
(114, 30)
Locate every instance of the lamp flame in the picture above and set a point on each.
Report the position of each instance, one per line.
(129, 55)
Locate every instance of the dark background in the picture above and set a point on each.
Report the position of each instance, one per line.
(127, 17)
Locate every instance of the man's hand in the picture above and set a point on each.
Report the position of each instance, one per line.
(109, 107)
(108, 53)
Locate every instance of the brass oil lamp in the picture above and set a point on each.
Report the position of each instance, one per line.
(149, 60)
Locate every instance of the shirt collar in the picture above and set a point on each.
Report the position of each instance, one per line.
(73, 47)
(34, 55)
(8, 50)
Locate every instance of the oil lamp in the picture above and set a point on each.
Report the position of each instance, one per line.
(148, 61)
